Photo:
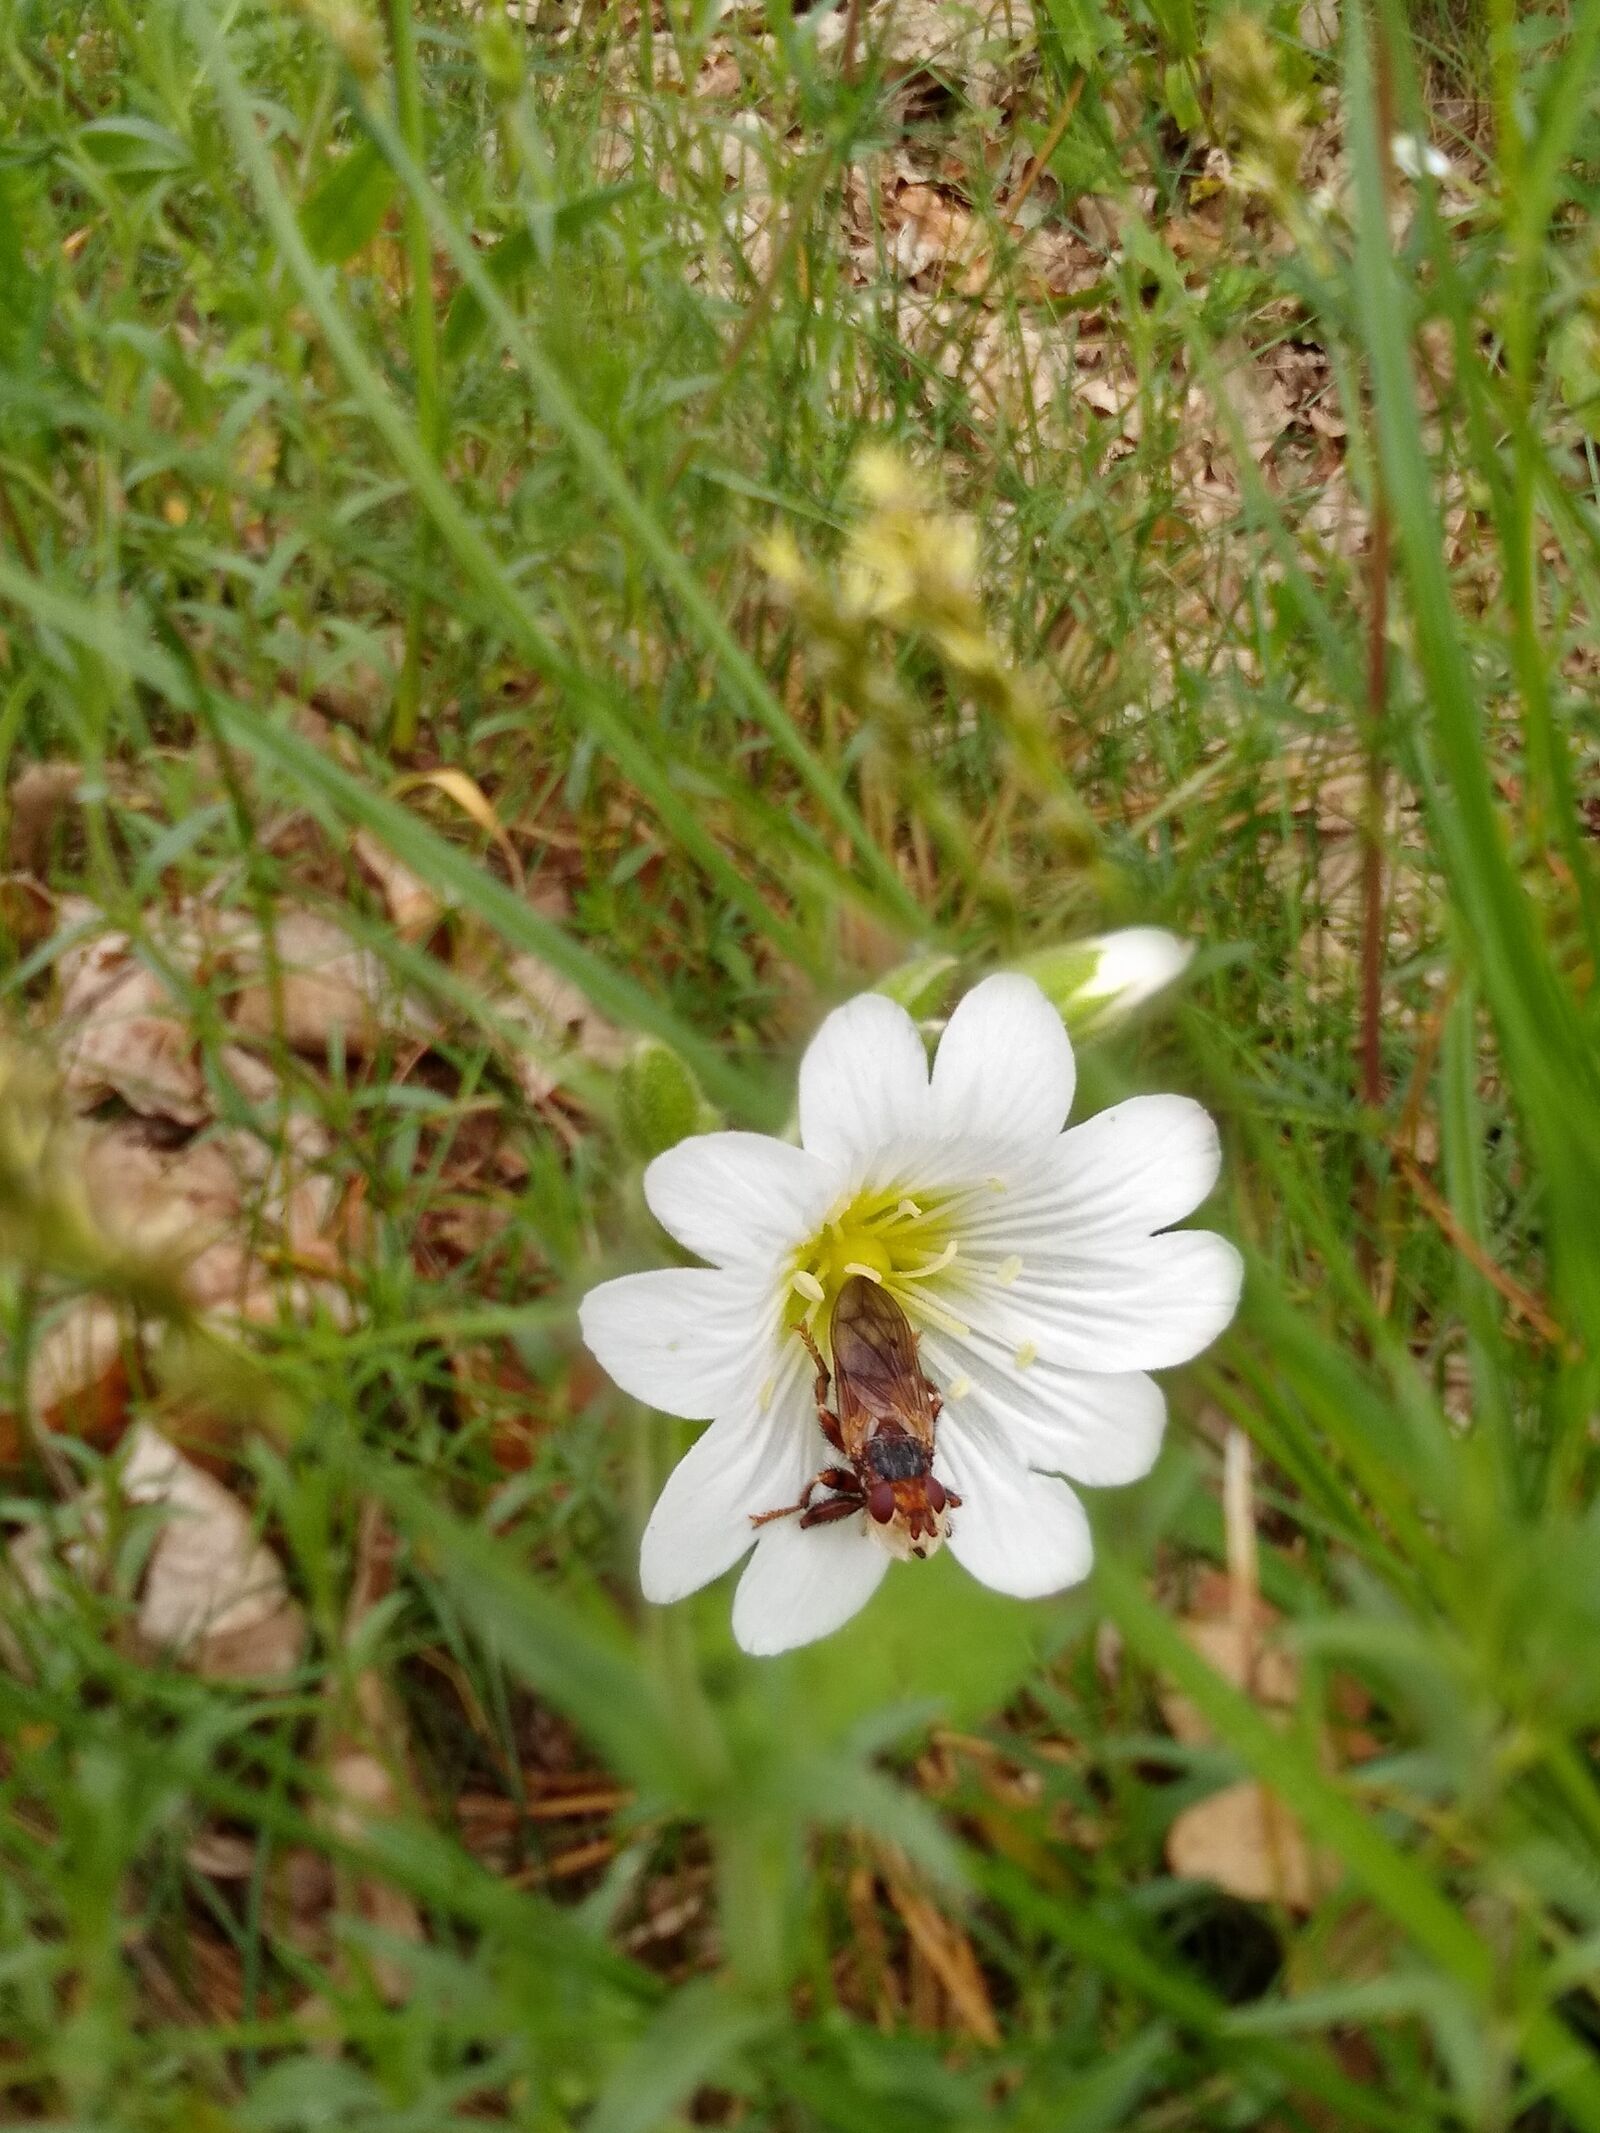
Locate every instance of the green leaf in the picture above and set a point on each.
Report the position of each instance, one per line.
(684, 2048)
(514, 257)
(128, 146)
(346, 210)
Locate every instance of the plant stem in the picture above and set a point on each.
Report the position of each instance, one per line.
(424, 357)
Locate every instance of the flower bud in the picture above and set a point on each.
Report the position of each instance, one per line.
(1098, 983)
(919, 985)
(659, 1101)
(502, 56)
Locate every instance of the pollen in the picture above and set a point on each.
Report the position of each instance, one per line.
(808, 1286)
(1009, 1269)
(1027, 1353)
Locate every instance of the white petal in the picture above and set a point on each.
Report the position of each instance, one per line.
(863, 1081)
(752, 1460)
(1124, 1173)
(805, 1582)
(1103, 1430)
(1015, 1531)
(1140, 1306)
(1005, 1071)
(687, 1340)
(732, 1197)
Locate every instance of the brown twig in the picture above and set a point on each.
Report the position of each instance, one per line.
(1052, 141)
(1527, 1306)
(852, 37)
(1378, 559)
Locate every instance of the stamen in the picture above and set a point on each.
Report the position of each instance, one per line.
(1027, 1353)
(924, 1307)
(764, 1397)
(935, 1265)
(808, 1285)
(958, 1388)
(1009, 1269)
(910, 1210)
(868, 1273)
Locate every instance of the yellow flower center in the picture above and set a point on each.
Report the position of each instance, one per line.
(888, 1236)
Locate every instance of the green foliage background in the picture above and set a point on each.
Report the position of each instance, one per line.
(521, 441)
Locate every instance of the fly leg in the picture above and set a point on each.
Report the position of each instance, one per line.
(827, 1420)
(824, 1514)
(838, 1478)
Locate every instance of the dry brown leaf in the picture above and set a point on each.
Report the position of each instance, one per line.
(941, 1954)
(124, 1035)
(213, 1595)
(414, 907)
(557, 1018)
(37, 799)
(27, 910)
(1246, 1842)
(936, 231)
(77, 1375)
(330, 991)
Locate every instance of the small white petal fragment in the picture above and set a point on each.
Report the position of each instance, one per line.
(1412, 157)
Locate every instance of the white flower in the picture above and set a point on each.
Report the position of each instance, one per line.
(1413, 156)
(1030, 1261)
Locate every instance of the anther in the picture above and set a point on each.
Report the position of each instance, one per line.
(1009, 1269)
(1027, 1353)
(868, 1273)
(808, 1286)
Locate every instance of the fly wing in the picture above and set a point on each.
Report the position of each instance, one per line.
(876, 1373)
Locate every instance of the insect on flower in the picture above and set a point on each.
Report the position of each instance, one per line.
(983, 1290)
(884, 1424)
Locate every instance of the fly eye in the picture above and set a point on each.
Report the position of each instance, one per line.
(936, 1495)
(880, 1501)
